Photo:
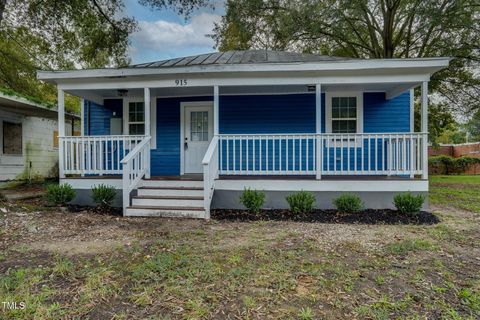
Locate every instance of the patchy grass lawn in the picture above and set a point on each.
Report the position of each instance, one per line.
(461, 192)
(82, 265)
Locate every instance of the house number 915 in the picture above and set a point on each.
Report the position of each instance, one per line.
(181, 82)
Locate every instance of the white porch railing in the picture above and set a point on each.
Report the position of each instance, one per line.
(95, 154)
(135, 166)
(339, 154)
(210, 173)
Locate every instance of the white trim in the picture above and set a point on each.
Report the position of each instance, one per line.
(267, 79)
(82, 117)
(367, 64)
(398, 90)
(216, 113)
(153, 117)
(324, 185)
(318, 130)
(184, 104)
(328, 108)
(424, 112)
(412, 110)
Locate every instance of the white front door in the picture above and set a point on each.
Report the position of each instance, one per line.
(198, 132)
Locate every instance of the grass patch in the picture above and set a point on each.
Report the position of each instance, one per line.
(458, 191)
(409, 245)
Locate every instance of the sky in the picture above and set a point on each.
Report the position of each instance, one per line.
(164, 34)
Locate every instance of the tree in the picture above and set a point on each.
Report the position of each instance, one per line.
(473, 127)
(61, 34)
(367, 29)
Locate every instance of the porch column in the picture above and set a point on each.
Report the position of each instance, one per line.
(82, 117)
(318, 130)
(425, 129)
(215, 110)
(61, 131)
(147, 107)
(216, 117)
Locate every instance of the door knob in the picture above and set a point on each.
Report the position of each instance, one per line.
(185, 144)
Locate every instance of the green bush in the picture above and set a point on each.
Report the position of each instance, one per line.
(348, 203)
(253, 200)
(60, 194)
(408, 203)
(449, 165)
(301, 202)
(3, 198)
(103, 195)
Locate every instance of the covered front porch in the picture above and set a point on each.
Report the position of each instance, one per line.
(260, 120)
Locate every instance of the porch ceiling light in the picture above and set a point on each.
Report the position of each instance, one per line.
(311, 88)
(122, 92)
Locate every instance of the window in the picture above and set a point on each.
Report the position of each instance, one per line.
(12, 138)
(136, 118)
(344, 114)
(199, 125)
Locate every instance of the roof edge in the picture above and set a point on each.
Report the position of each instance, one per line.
(254, 67)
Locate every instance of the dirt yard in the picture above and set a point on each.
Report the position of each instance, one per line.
(65, 265)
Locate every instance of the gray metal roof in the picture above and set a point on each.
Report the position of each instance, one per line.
(239, 57)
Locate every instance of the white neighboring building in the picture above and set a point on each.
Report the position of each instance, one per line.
(28, 138)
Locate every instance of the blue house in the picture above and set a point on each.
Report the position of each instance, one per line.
(181, 136)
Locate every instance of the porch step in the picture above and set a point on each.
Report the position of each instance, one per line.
(165, 211)
(170, 191)
(185, 183)
(168, 201)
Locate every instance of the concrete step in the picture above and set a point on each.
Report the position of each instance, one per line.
(172, 183)
(163, 211)
(170, 191)
(168, 201)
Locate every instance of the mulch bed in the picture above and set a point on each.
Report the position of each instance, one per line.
(369, 216)
(73, 208)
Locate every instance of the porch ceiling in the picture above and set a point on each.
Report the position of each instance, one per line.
(392, 89)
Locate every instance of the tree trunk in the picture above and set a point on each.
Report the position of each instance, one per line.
(3, 4)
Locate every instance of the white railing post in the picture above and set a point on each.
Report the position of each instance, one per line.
(147, 106)
(210, 173)
(134, 169)
(318, 130)
(425, 129)
(61, 133)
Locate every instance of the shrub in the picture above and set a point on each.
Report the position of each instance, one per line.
(301, 202)
(103, 195)
(3, 198)
(60, 194)
(408, 203)
(253, 200)
(348, 203)
(448, 165)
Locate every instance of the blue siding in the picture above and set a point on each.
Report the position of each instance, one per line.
(97, 117)
(166, 158)
(290, 113)
(381, 115)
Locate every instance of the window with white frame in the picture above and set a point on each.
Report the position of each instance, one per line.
(136, 118)
(344, 114)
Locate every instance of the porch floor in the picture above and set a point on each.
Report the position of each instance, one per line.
(199, 177)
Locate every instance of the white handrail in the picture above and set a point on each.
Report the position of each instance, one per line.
(210, 173)
(326, 153)
(136, 164)
(95, 155)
